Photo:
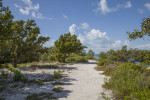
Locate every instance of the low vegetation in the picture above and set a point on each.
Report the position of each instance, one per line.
(58, 89)
(41, 96)
(18, 76)
(128, 81)
(57, 74)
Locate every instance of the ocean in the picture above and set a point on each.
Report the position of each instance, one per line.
(96, 56)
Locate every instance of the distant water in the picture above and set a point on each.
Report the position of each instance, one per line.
(139, 63)
(96, 56)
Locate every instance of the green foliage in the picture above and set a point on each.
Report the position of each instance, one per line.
(41, 96)
(18, 76)
(58, 89)
(133, 66)
(5, 33)
(57, 74)
(67, 44)
(51, 58)
(127, 82)
(6, 65)
(104, 61)
(145, 30)
(45, 66)
(3, 78)
(77, 59)
(20, 41)
(90, 54)
(103, 55)
(39, 82)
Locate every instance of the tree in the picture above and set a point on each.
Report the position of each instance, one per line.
(90, 54)
(102, 55)
(67, 44)
(145, 30)
(5, 32)
(26, 42)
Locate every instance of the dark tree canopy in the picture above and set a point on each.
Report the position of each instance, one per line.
(67, 44)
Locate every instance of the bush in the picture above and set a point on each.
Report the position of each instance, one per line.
(89, 57)
(51, 58)
(133, 66)
(18, 76)
(80, 59)
(7, 65)
(77, 59)
(104, 61)
(129, 84)
(39, 82)
(57, 74)
(70, 59)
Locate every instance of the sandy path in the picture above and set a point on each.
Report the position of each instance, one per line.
(86, 83)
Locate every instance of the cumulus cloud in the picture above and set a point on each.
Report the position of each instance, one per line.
(72, 29)
(99, 41)
(84, 25)
(103, 7)
(65, 16)
(30, 7)
(147, 5)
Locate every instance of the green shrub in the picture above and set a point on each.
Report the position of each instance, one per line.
(89, 57)
(7, 65)
(104, 61)
(80, 59)
(133, 66)
(18, 76)
(58, 89)
(39, 82)
(129, 83)
(77, 59)
(70, 59)
(51, 58)
(57, 74)
(109, 69)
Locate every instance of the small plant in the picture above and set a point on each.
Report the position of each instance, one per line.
(41, 96)
(18, 76)
(39, 82)
(58, 83)
(57, 74)
(58, 89)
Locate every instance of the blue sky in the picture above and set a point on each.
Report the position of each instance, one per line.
(99, 24)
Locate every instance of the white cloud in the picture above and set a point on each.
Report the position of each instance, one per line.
(128, 5)
(127, 43)
(72, 29)
(141, 11)
(40, 16)
(50, 43)
(116, 44)
(147, 5)
(143, 47)
(84, 26)
(103, 7)
(65, 16)
(30, 7)
(98, 41)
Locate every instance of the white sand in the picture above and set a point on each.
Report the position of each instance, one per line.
(83, 82)
(86, 83)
